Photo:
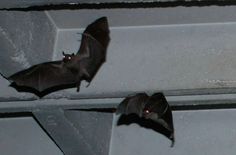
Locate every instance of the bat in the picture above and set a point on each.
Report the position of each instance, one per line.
(73, 68)
(152, 112)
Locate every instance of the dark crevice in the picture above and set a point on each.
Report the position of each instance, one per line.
(197, 3)
(102, 110)
(203, 107)
(16, 114)
(173, 108)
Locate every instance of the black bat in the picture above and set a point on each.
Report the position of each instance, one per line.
(153, 112)
(51, 76)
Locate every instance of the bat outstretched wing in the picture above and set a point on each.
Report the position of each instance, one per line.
(73, 68)
(95, 33)
(44, 76)
(92, 52)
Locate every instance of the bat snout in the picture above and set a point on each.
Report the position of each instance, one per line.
(150, 115)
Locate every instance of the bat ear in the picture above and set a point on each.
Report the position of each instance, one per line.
(63, 53)
(73, 54)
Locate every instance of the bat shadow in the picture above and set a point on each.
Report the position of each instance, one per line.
(43, 93)
(146, 123)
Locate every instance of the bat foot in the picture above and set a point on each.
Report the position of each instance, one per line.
(172, 138)
(88, 84)
(172, 143)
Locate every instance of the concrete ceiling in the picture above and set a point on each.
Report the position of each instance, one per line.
(181, 34)
(76, 19)
(28, 3)
(5, 4)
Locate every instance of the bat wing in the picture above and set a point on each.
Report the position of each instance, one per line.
(151, 112)
(92, 52)
(158, 105)
(73, 68)
(160, 112)
(133, 104)
(43, 76)
(97, 32)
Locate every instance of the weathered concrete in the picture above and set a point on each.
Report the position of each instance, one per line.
(23, 136)
(207, 132)
(27, 38)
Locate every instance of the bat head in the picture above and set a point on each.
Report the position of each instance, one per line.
(157, 103)
(150, 113)
(158, 110)
(67, 57)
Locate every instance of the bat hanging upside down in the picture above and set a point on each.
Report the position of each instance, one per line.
(73, 68)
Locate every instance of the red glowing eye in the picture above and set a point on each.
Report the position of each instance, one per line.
(147, 111)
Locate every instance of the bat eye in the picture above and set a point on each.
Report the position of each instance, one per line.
(69, 58)
(147, 111)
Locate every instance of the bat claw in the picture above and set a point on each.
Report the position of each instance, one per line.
(88, 84)
(172, 140)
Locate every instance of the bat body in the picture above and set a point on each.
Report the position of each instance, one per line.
(150, 110)
(74, 67)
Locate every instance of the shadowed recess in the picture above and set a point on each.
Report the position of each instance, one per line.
(191, 3)
(16, 114)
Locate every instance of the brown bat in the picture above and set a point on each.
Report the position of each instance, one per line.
(153, 112)
(44, 78)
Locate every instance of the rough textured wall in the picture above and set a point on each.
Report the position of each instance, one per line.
(26, 37)
(95, 127)
(23, 136)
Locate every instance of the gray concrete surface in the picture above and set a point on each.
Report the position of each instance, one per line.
(160, 58)
(77, 132)
(205, 132)
(130, 17)
(171, 49)
(95, 127)
(23, 136)
(27, 38)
